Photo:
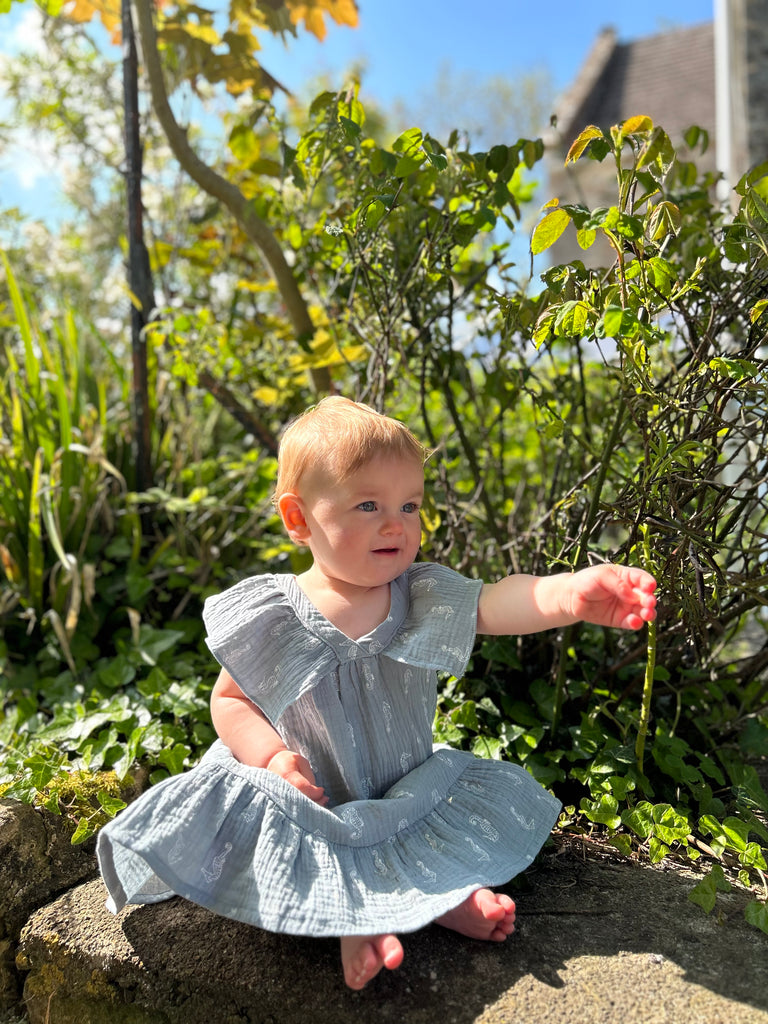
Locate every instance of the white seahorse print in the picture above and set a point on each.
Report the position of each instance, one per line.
(370, 678)
(407, 680)
(217, 865)
(485, 827)
(479, 852)
(351, 732)
(472, 785)
(528, 824)
(379, 865)
(386, 710)
(400, 794)
(352, 818)
(442, 611)
(425, 871)
(460, 653)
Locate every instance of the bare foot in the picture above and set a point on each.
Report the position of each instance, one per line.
(363, 956)
(483, 915)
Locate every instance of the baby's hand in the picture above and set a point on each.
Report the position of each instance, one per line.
(295, 769)
(613, 595)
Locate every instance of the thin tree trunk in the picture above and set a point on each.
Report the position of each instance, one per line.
(139, 273)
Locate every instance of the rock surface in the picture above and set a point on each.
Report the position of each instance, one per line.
(37, 862)
(597, 943)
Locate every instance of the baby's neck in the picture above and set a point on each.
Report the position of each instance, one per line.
(355, 611)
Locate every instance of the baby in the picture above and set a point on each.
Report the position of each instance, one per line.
(324, 807)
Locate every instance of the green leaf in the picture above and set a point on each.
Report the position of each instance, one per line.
(572, 319)
(547, 231)
(753, 857)
(174, 758)
(705, 893)
(622, 843)
(465, 715)
(669, 825)
(110, 804)
(616, 321)
(375, 212)
(603, 811)
(83, 831)
(665, 219)
(408, 164)
(410, 139)
(639, 819)
(657, 850)
(118, 673)
(756, 913)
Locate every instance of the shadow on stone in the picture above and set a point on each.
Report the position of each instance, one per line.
(596, 941)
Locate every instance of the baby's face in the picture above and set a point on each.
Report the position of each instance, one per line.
(366, 529)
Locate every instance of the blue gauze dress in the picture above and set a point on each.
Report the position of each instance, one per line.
(409, 832)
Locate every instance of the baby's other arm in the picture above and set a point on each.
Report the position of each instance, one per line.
(607, 595)
(253, 740)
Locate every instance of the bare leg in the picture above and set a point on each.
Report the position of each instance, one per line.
(483, 915)
(363, 956)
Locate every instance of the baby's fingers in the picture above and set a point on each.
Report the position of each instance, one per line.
(315, 793)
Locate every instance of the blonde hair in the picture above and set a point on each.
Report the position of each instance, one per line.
(335, 438)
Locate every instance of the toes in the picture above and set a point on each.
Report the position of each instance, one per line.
(363, 966)
(363, 958)
(390, 950)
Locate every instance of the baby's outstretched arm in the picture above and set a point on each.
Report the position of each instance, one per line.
(253, 740)
(607, 595)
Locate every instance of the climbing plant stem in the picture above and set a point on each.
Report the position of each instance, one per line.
(650, 668)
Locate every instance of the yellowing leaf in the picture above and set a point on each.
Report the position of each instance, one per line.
(581, 143)
(549, 230)
(639, 123)
(82, 11)
(343, 12)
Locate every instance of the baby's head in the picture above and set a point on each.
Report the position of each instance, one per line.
(335, 438)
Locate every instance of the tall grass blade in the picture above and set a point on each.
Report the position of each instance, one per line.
(35, 560)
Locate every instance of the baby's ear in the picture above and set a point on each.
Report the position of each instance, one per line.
(292, 513)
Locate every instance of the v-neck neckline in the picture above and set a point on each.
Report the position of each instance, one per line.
(370, 643)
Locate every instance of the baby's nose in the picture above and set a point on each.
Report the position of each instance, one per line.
(392, 524)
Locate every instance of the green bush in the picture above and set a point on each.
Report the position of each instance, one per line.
(616, 413)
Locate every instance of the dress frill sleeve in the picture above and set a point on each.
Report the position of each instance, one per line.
(254, 634)
(440, 627)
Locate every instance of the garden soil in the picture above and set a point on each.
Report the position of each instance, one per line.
(599, 941)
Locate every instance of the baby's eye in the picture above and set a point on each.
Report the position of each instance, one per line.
(410, 506)
(367, 506)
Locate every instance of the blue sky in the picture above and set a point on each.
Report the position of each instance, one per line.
(402, 44)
